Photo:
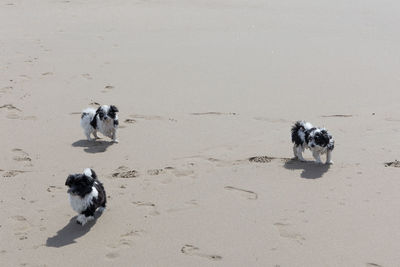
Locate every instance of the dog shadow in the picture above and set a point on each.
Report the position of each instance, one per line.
(71, 232)
(311, 170)
(93, 146)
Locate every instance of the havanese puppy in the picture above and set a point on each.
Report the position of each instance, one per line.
(318, 140)
(104, 120)
(86, 195)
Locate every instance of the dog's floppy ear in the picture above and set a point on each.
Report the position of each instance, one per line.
(89, 180)
(98, 110)
(69, 180)
(114, 108)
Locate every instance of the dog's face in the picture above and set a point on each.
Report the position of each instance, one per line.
(79, 184)
(107, 112)
(321, 138)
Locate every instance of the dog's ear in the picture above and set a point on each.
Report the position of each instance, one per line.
(88, 180)
(69, 180)
(98, 110)
(114, 108)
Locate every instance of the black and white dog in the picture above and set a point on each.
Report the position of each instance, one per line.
(318, 140)
(104, 120)
(86, 195)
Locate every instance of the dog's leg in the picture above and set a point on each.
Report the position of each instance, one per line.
(88, 136)
(299, 150)
(102, 206)
(114, 136)
(83, 219)
(86, 215)
(95, 134)
(295, 151)
(101, 209)
(316, 156)
(329, 157)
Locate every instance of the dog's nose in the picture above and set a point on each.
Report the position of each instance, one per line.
(312, 145)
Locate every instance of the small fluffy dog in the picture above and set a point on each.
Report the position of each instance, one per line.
(318, 140)
(86, 194)
(104, 120)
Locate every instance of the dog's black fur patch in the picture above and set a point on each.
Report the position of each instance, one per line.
(295, 133)
(112, 111)
(94, 122)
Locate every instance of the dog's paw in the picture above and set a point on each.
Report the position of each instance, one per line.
(116, 141)
(330, 162)
(82, 219)
(101, 209)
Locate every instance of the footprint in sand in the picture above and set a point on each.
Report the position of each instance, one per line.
(149, 205)
(182, 173)
(287, 233)
(47, 73)
(176, 172)
(6, 89)
(130, 121)
(266, 159)
(156, 171)
(395, 164)
(12, 173)
(22, 227)
(261, 159)
(107, 88)
(87, 76)
(10, 107)
(53, 188)
(26, 77)
(126, 240)
(124, 172)
(14, 112)
(19, 218)
(245, 193)
(112, 255)
(191, 250)
(22, 156)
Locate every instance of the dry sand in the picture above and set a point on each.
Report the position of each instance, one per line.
(202, 86)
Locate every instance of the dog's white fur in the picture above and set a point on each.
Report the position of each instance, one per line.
(106, 127)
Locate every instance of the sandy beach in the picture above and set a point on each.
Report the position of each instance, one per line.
(207, 91)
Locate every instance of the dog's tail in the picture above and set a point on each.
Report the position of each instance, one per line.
(90, 172)
(88, 112)
(298, 126)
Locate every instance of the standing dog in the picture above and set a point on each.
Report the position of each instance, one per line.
(86, 194)
(318, 140)
(104, 120)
